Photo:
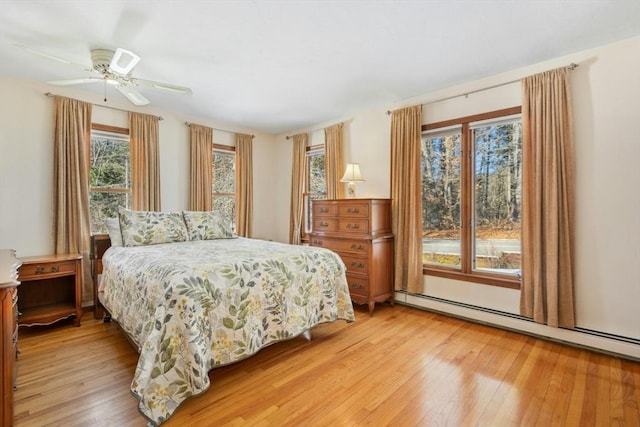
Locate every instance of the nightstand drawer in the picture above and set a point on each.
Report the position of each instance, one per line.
(341, 245)
(38, 271)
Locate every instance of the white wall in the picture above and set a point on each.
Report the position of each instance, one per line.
(606, 99)
(26, 165)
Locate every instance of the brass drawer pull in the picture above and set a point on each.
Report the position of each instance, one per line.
(357, 265)
(354, 226)
(356, 286)
(357, 247)
(324, 224)
(41, 270)
(318, 242)
(353, 210)
(324, 210)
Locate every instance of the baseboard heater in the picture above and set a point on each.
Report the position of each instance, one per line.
(592, 332)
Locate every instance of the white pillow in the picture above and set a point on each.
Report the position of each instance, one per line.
(113, 228)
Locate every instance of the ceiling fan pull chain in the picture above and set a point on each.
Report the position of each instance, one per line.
(105, 91)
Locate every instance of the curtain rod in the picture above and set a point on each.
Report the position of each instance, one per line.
(314, 130)
(571, 67)
(49, 94)
(221, 130)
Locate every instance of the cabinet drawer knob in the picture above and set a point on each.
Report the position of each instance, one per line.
(42, 270)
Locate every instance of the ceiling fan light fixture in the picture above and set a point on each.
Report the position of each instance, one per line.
(123, 61)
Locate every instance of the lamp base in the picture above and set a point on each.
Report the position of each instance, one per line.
(351, 190)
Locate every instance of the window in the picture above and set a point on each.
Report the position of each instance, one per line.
(109, 174)
(471, 197)
(315, 183)
(224, 184)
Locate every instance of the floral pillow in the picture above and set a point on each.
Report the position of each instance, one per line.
(149, 228)
(207, 225)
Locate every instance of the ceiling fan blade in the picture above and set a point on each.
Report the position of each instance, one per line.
(75, 81)
(53, 57)
(123, 61)
(162, 86)
(132, 95)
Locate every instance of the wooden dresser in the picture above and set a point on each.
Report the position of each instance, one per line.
(9, 332)
(359, 230)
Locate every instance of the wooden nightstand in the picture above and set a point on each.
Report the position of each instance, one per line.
(51, 289)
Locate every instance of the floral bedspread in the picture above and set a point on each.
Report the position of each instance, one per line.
(196, 305)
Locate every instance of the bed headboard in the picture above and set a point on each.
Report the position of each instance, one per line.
(99, 244)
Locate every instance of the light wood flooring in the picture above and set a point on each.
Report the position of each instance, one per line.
(401, 367)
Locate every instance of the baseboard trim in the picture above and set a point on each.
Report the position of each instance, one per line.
(602, 342)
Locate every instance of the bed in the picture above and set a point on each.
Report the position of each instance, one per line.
(190, 305)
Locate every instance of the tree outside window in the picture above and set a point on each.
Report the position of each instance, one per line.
(109, 176)
(315, 184)
(471, 198)
(224, 185)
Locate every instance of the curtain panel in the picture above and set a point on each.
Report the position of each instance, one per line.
(200, 168)
(72, 224)
(145, 161)
(548, 199)
(244, 184)
(334, 163)
(296, 210)
(406, 198)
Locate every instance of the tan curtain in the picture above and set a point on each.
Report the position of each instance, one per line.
(200, 168)
(297, 188)
(244, 184)
(406, 195)
(72, 224)
(334, 165)
(145, 161)
(547, 200)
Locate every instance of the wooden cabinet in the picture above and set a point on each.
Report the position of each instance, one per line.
(359, 230)
(51, 289)
(9, 332)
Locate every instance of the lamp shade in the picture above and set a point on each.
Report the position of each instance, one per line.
(352, 173)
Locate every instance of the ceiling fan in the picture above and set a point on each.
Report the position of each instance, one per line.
(113, 68)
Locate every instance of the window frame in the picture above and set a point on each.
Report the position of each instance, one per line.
(306, 195)
(117, 131)
(228, 150)
(466, 272)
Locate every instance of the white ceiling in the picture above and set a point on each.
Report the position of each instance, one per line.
(277, 66)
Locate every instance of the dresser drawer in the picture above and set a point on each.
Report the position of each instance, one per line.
(324, 209)
(325, 224)
(355, 210)
(355, 264)
(37, 271)
(358, 285)
(354, 226)
(341, 245)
